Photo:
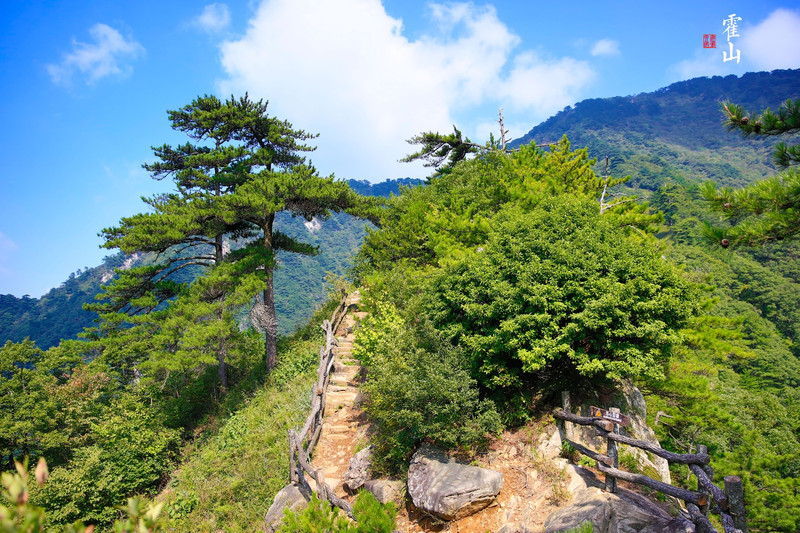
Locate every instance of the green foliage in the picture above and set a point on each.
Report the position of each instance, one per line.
(240, 456)
(246, 167)
(419, 389)
(768, 123)
(765, 211)
(560, 294)
(441, 151)
(321, 517)
(585, 527)
(377, 331)
(19, 516)
(131, 454)
(569, 452)
(768, 209)
(452, 216)
(28, 409)
(733, 384)
(673, 135)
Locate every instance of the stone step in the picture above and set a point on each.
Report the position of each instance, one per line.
(332, 483)
(346, 371)
(342, 367)
(345, 381)
(344, 399)
(346, 394)
(337, 428)
(338, 436)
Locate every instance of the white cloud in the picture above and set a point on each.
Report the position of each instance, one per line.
(345, 69)
(541, 84)
(774, 43)
(214, 18)
(7, 247)
(605, 47)
(106, 56)
(706, 62)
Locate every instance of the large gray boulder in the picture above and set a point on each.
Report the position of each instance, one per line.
(622, 512)
(450, 490)
(358, 473)
(385, 490)
(289, 497)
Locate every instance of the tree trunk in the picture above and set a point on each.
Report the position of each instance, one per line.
(223, 369)
(222, 353)
(271, 324)
(219, 248)
(270, 321)
(219, 241)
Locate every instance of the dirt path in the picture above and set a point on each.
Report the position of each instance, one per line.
(528, 495)
(343, 426)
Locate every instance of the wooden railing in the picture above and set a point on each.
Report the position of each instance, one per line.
(728, 503)
(301, 445)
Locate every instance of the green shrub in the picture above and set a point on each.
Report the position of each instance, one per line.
(560, 294)
(320, 516)
(377, 331)
(629, 462)
(132, 454)
(420, 389)
(585, 527)
(17, 515)
(569, 453)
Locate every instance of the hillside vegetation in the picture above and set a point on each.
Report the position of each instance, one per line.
(505, 279)
(675, 134)
(504, 275)
(300, 281)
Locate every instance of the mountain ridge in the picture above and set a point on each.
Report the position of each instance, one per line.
(59, 313)
(674, 134)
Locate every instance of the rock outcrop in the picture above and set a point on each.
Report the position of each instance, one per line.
(638, 429)
(623, 511)
(450, 490)
(358, 473)
(631, 403)
(385, 490)
(289, 497)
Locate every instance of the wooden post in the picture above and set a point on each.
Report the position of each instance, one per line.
(702, 448)
(735, 493)
(611, 481)
(565, 403)
(292, 465)
(701, 521)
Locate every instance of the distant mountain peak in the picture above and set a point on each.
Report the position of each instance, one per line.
(674, 133)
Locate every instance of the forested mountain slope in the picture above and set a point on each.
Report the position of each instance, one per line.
(675, 133)
(300, 281)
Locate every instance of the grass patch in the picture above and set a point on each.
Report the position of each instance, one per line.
(230, 476)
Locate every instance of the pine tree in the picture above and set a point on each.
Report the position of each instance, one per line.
(767, 210)
(243, 167)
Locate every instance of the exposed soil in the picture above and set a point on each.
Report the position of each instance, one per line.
(531, 490)
(532, 486)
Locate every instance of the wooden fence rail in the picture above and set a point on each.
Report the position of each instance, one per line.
(728, 503)
(300, 454)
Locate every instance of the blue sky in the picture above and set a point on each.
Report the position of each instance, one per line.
(85, 87)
